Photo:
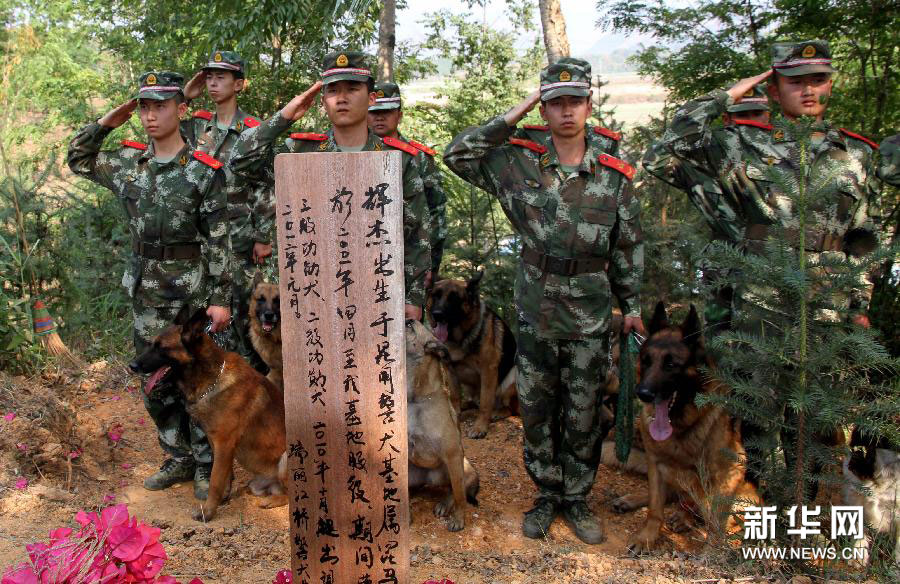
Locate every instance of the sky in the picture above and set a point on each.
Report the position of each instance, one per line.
(580, 15)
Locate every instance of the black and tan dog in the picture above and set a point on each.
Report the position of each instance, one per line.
(241, 411)
(695, 451)
(265, 327)
(482, 346)
(436, 455)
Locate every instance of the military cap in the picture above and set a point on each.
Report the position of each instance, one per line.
(346, 66)
(568, 76)
(160, 85)
(755, 99)
(227, 61)
(803, 58)
(387, 97)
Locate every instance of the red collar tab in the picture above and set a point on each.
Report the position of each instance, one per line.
(309, 136)
(533, 146)
(400, 145)
(617, 164)
(423, 148)
(207, 159)
(251, 122)
(753, 123)
(608, 133)
(203, 114)
(858, 137)
(133, 144)
(536, 127)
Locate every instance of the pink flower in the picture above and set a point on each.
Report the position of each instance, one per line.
(21, 574)
(141, 421)
(115, 433)
(22, 483)
(126, 465)
(116, 397)
(284, 577)
(109, 498)
(22, 446)
(10, 416)
(75, 453)
(196, 581)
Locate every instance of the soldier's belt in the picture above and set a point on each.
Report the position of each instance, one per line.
(562, 266)
(756, 233)
(182, 251)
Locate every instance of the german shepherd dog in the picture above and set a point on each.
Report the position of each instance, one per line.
(265, 327)
(436, 455)
(482, 346)
(872, 481)
(241, 411)
(697, 452)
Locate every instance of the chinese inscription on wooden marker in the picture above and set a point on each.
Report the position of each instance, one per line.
(340, 240)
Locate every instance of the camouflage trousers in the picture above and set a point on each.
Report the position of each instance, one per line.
(238, 335)
(559, 386)
(179, 435)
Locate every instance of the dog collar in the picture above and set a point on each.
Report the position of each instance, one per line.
(214, 386)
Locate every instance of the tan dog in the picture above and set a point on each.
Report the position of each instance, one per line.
(686, 447)
(241, 411)
(265, 327)
(482, 346)
(435, 444)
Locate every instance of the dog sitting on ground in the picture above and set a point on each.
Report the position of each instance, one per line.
(265, 327)
(686, 446)
(435, 444)
(872, 481)
(241, 411)
(482, 346)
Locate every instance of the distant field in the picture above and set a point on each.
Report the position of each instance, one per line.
(634, 98)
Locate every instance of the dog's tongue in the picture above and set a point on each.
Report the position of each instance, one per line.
(661, 427)
(155, 378)
(267, 326)
(440, 331)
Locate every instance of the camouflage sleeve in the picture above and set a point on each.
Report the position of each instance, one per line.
(889, 160)
(417, 247)
(437, 206)
(262, 205)
(253, 151)
(85, 159)
(626, 266)
(862, 234)
(473, 154)
(215, 224)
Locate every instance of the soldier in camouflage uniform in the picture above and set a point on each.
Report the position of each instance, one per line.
(252, 208)
(720, 212)
(889, 165)
(176, 201)
(570, 200)
(347, 86)
(384, 119)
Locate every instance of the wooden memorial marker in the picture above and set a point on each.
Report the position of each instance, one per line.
(340, 249)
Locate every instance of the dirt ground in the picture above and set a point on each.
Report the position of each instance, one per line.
(96, 413)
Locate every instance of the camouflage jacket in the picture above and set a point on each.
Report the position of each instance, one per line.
(751, 161)
(183, 201)
(252, 208)
(889, 164)
(255, 148)
(436, 199)
(589, 214)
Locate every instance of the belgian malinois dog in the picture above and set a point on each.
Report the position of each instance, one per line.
(482, 346)
(695, 451)
(265, 327)
(241, 411)
(436, 455)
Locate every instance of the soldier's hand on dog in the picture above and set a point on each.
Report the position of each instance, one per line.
(633, 323)
(297, 107)
(219, 315)
(518, 111)
(261, 251)
(119, 115)
(195, 86)
(738, 90)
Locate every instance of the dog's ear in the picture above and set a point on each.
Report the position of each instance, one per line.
(473, 283)
(194, 327)
(257, 280)
(692, 328)
(183, 316)
(659, 320)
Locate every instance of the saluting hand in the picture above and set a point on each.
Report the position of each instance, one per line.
(518, 111)
(195, 86)
(120, 115)
(738, 90)
(297, 107)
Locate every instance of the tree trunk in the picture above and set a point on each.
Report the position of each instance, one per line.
(387, 40)
(555, 38)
